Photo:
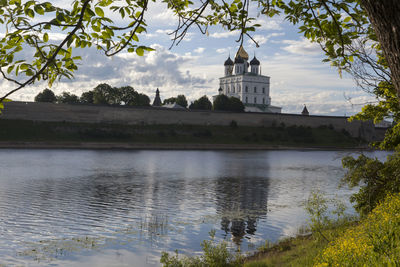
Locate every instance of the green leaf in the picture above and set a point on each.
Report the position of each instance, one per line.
(39, 9)
(139, 51)
(99, 11)
(45, 37)
(30, 13)
(9, 69)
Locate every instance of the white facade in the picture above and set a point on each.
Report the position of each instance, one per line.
(251, 88)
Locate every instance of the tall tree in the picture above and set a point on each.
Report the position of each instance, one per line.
(106, 95)
(181, 100)
(202, 103)
(385, 19)
(46, 96)
(87, 97)
(67, 98)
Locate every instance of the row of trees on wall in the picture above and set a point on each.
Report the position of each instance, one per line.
(102, 94)
(105, 94)
(221, 102)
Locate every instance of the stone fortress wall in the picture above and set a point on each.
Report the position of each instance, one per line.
(143, 116)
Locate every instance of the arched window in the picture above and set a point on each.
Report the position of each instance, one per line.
(246, 99)
(255, 100)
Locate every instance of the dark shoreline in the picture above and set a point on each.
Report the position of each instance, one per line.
(162, 146)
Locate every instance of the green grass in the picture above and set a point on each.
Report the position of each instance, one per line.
(22, 130)
(300, 251)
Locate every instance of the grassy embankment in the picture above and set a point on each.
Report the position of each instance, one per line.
(374, 240)
(29, 131)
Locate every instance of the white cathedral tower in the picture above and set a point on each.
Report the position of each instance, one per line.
(251, 88)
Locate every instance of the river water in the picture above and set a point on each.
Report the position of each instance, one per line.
(124, 208)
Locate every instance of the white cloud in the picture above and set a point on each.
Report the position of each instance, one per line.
(199, 50)
(301, 47)
(269, 24)
(262, 39)
(222, 50)
(224, 34)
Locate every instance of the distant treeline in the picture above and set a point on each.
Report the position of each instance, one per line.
(104, 94)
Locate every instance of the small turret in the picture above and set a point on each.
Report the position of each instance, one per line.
(305, 111)
(157, 99)
(255, 65)
(228, 66)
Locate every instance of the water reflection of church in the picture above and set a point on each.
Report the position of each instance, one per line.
(241, 203)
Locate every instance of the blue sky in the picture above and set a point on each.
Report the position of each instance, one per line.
(192, 68)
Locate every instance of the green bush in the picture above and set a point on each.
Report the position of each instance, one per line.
(214, 255)
(377, 179)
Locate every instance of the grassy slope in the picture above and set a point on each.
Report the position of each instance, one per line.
(21, 130)
(299, 251)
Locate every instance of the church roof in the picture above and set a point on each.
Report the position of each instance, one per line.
(239, 59)
(228, 62)
(254, 61)
(242, 53)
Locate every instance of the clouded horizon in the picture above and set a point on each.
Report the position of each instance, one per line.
(193, 68)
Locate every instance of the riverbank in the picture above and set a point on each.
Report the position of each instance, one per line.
(33, 134)
(161, 146)
(374, 240)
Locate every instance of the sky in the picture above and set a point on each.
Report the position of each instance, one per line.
(193, 68)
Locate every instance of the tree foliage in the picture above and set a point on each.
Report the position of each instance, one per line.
(67, 98)
(180, 100)
(202, 103)
(87, 97)
(222, 102)
(377, 179)
(28, 51)
(46, 96)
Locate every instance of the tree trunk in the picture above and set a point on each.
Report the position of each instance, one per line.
(385, 19)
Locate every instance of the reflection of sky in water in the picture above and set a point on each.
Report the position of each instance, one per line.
(103, 208)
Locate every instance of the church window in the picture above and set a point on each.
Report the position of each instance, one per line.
(246, 89)
(255, 100)
(255, 89)
(263, 90)
(246, 100)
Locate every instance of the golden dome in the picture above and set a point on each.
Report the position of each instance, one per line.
(242, 53)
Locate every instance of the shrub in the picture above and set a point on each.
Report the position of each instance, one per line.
(377, 179)
(214, 255)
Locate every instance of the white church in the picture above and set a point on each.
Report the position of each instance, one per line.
(251, 88)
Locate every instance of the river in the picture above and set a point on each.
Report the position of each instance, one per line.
(124, 208)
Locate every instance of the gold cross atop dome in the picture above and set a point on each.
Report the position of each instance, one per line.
(242, 53)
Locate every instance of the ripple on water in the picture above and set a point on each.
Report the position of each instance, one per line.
(67, 207)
